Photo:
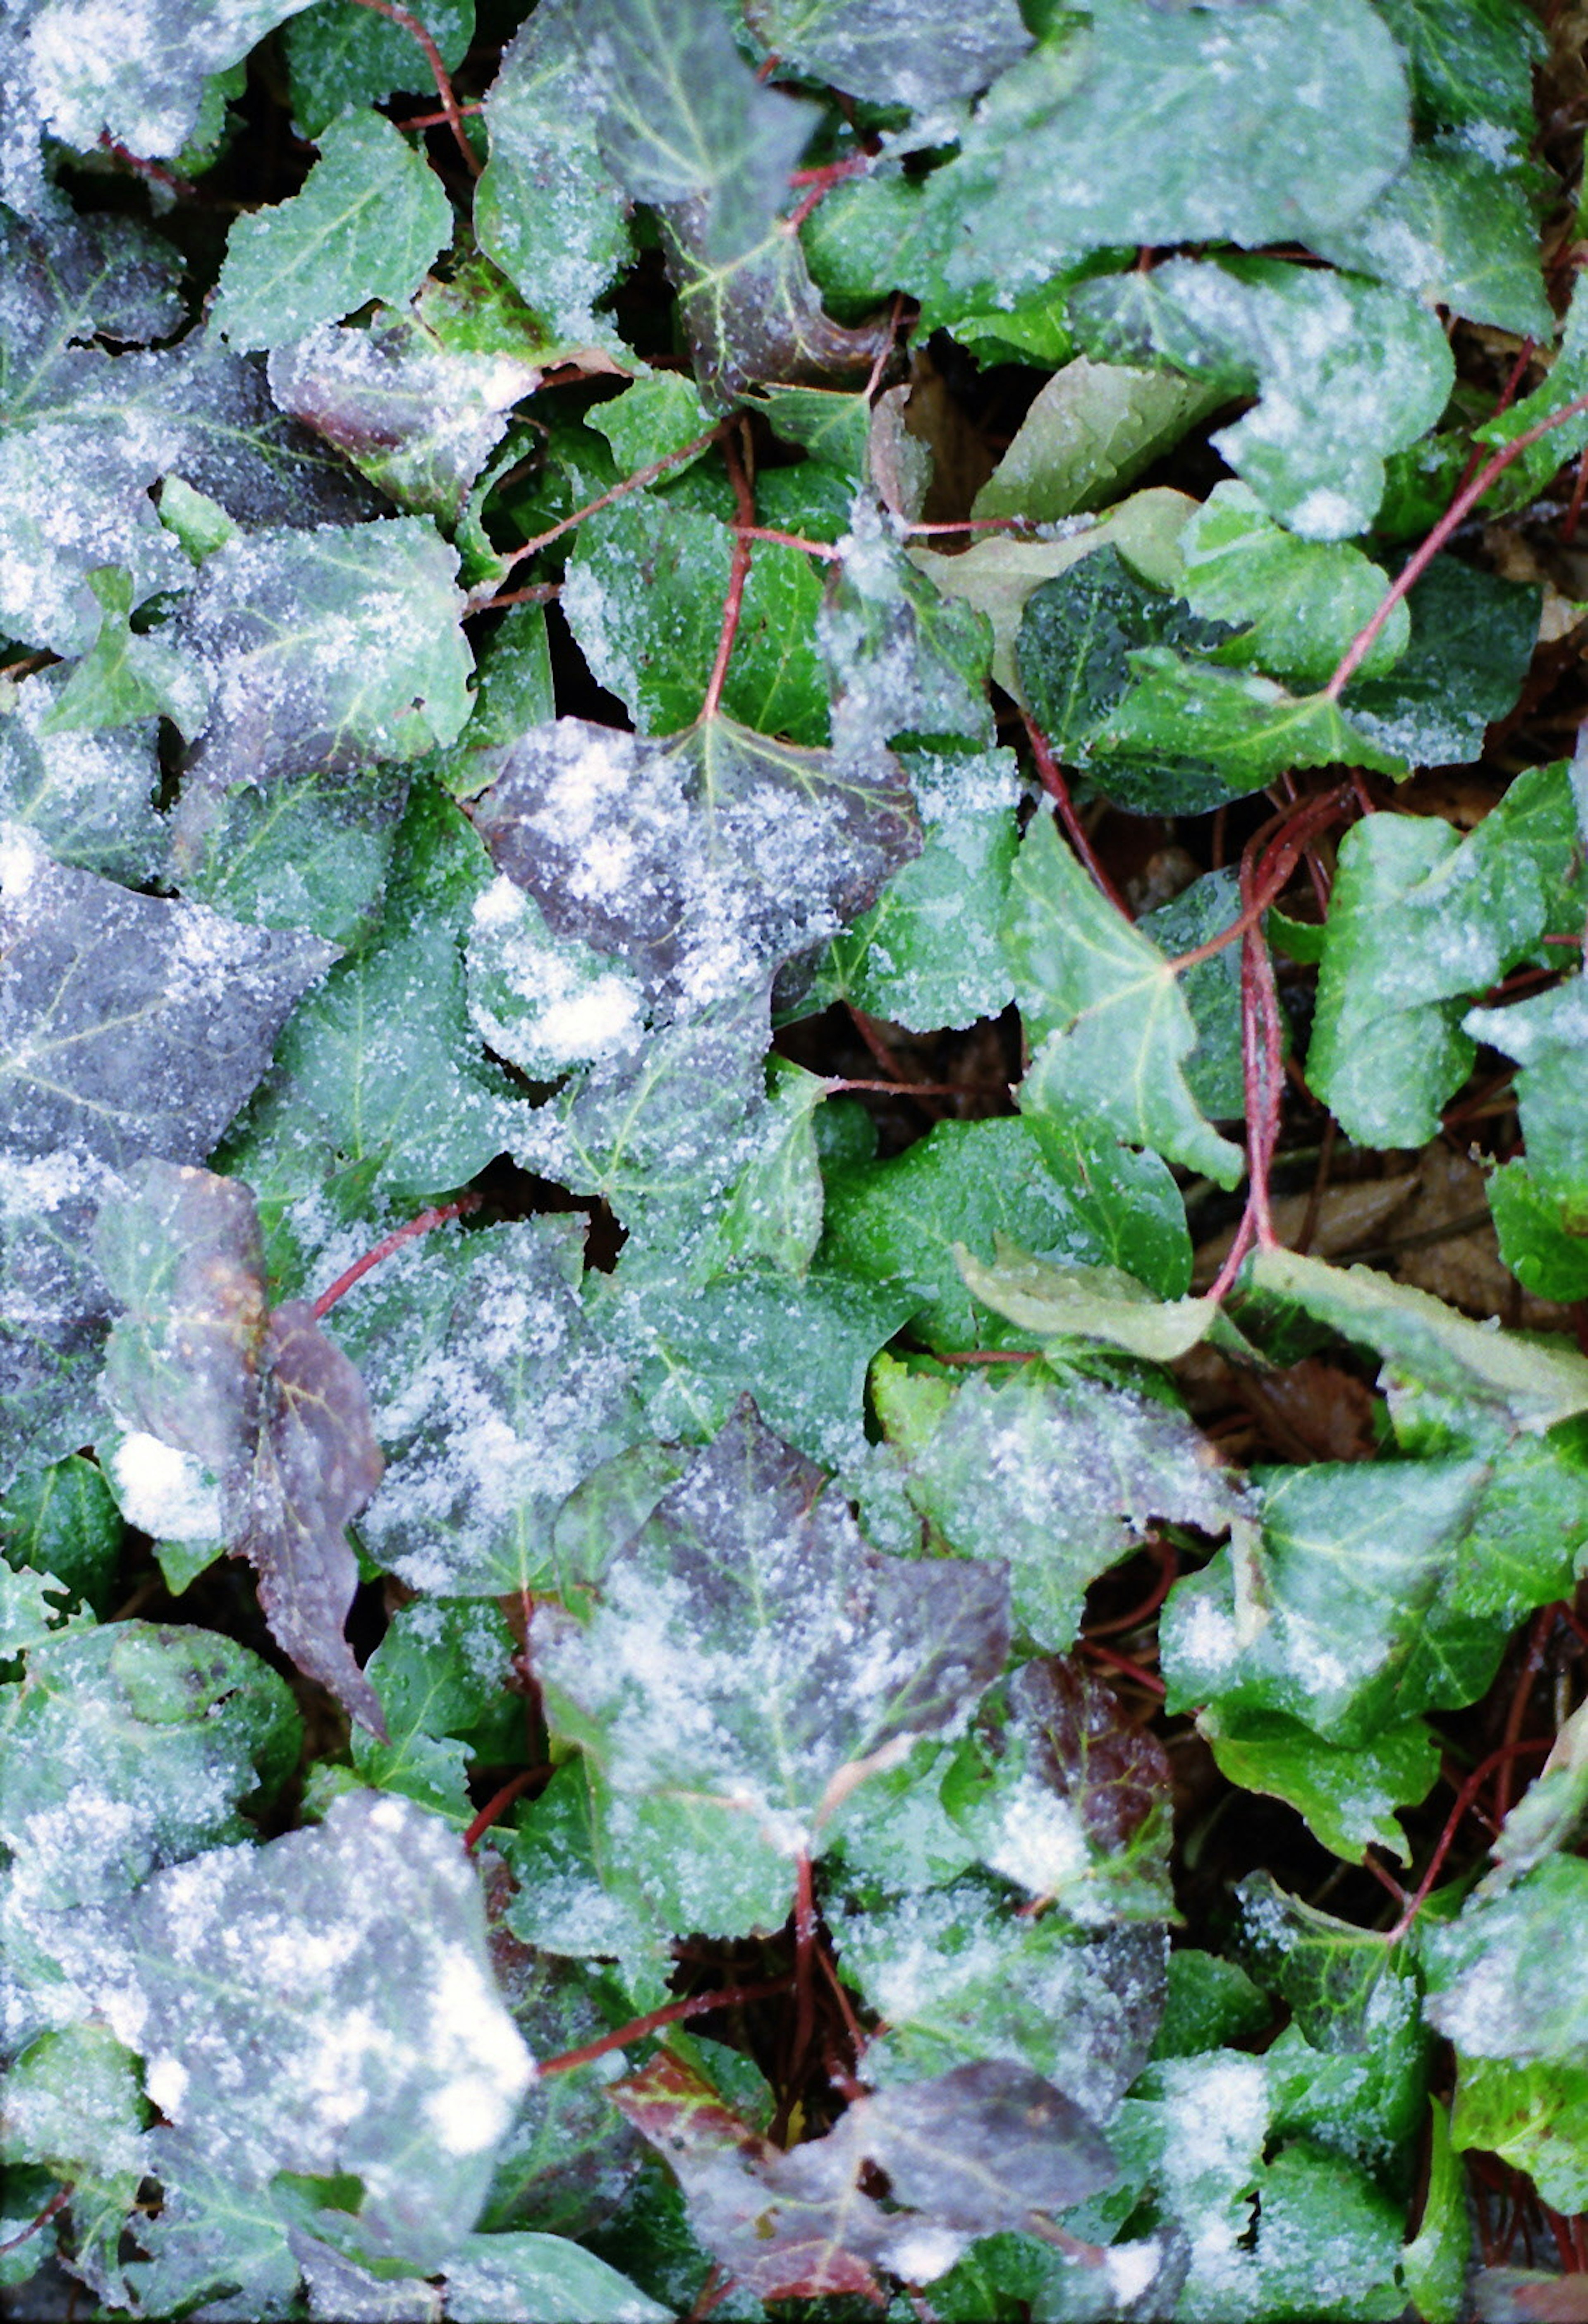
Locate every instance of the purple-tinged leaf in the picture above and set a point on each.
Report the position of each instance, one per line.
(263, 1399)
(981, 2147)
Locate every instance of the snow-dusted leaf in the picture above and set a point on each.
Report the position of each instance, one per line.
(494, 1397)
(547, 209)
(347, 2021)
(1347, 1793)
(928, 953)
(1473, 636)
(1297, 604)
(336, 58)
(684, 124)
(1092, 430)
(1547, 1035)
(1085, 1302)
(1109, 1027)
(371, 217)
(958, 1973)
(85, 74)
(748, 1646)
(980, 2148)
(701, 862)
(1455, 226)
(1348, 372)
(1248, 728)
(260, 1397)
(417, 417)
(327, 648)
(126, 677)
(904, 658)
(1469, 61)
(899, 53)
(134, 1026)
(1422, 919)
(1204, 125)
(1494, 1972)
(131, 1746)
(643, 596)
(87, 798)
(1058, 1476)
(311, 854)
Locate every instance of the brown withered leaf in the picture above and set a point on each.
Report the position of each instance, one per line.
(263, 1399)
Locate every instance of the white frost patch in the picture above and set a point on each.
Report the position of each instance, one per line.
(924, 2253)
(19, 858)
(164, 1493)
(165, 2078)
(1324, 514)
(1130, 2268)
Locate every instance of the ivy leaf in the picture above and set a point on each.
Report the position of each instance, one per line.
(1247, 118)
(918, 55)
(547, 209)
(1472, 637)
(1493, 1986)
(1347, 1793)
(63, 1520)
(1455, 227)
(927, 953)
(1539, 1236)
(494, 1397)
(124, 678)
(1250, 728)
(1297, 603)
(177, 1727)
(1313, 449)
(1545, 1035)
(1388, 1048)
(811, 1654)
(314, 853)
(958, 1974)
(1061, 1794)
(370, 219)
(327, 648)
(417, 417)
(904, 658)
(1533, 2116)
(1109, 1027)
(1058, 1476)
(88, 797)
(335, 60)
(1469, 61)
(700, 862)
(1085, 1303)
(261, 1398)
(1092, 430)
(1215, 1072)
(373, 1920)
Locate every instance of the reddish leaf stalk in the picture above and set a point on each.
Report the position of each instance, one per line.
(58, 2202)
(1453, 1823)
(1513, 380)
(1058, 790)
(1131, 1670)
(818, 182)
(1275, 873)
(991, 1356)
(1168, 1573)
(824, 549)
(384, 1250)
(498, 1804)
(438, 72)
(699, 2006)
(1418, 562)
(641, 477)
(805, 1934)
(739, 573)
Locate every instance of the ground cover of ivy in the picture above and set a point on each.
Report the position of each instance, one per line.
(794, 1160)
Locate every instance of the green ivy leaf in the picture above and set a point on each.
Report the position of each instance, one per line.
(1347, 1793)
(87, 798)
(1092, 430)
(1545, 1034)
(917, 56)
(335, 60)
(1297, 603)
(370, 219)
(124, 678)
(1469, 61)
(1455, 227)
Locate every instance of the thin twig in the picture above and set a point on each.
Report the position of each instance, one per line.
(439, 74)
(1058, 790)
(393, 1241)
(653, 2019)
(633, 483)
(739, 573)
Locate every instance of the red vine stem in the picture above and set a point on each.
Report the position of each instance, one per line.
(1274, 874)
(1058, 790)
(675, 2011)
(1452, 1822)
(739, 573)
(804, 1935)
(393, 1241)
(822, 549)
(498, 1804)
(1418, 562)
(58, 2202)
(1149, 1679)
(442, 78)
(633, 483)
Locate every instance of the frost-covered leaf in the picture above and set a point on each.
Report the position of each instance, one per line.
(371, 217)
(904, 658)
(1297, 604)
(87, 798)
(1348, 372)
(1419, 920)
(1495, 1987)
(1109, 1028)
(807, 1653)
(928, 953)
(1469, 61)
(700, 862)
(84, 75)
(898, 53)
(1347, 1793)
(258, 1396)
(1260, 124)
(131, 1746)
(494, 1397)
(643, 596)
(1547, 1035)
(1058, 1476)
(958, 1973)
(1064, 1304)
(547, 209)
(348, 2022)
(328, 649)
(1456, 227)
(311, 854)
(125, 676)
(898, 1221)
(684, 124)
(335, 59)
(417, 417)
(1472, 637)
(1249, 729)
(1092, 430)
